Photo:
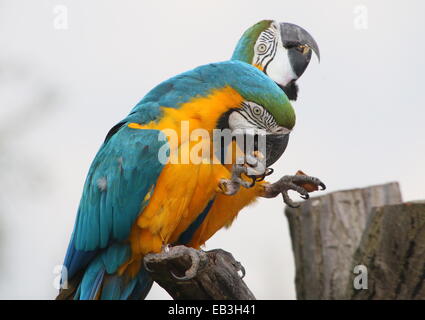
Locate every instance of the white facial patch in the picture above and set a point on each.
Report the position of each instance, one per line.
(272, 56)
(280, 69)
(237, 121)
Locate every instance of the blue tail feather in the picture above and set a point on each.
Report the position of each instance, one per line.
(100, 278)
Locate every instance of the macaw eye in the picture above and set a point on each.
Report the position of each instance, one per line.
(256, 111)
(261, 48)
(302, 48)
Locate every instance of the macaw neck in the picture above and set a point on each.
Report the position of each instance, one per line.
(244, 50)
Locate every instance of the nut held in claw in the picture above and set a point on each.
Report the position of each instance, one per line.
(310, 187)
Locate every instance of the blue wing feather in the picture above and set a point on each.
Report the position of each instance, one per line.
(124, 170)
(128, 166)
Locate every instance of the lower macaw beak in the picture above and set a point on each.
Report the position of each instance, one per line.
(271, 145)
(299, 44)
(275, 146)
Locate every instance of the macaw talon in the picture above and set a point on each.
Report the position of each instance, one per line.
(166, 248)
(258, 178)
(245, 165)
(303, 192)
(305, 197)
(268, 172)
(291, 186)
(240, 267)
(308, 179)
(287, 183)
(243, 272)
(254, 179)
(256, 168)
(232, 186)
(193, 270)
(146, 267)
(288, 200)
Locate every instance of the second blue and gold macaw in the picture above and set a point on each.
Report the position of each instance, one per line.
(134, 204)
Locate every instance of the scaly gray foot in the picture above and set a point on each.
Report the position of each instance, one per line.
(196, 256)
(250, 166)
(287, 183)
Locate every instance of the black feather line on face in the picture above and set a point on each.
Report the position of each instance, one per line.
(223, 121)
(268, 38)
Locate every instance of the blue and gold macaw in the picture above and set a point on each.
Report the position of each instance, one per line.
(135, 203)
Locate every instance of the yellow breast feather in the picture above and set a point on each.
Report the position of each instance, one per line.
(183, 189)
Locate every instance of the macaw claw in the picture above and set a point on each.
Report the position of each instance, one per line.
(165, 249)
(259, 178)
(169, 255)
(286, 183)
(232, 186)
(193, 270)
(146, 267)
(239, 267)
(250, 166)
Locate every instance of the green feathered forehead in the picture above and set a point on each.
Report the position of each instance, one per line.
(244, 50)
(277, 103)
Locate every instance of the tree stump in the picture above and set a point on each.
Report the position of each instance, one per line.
(393, 250)
(326, 231)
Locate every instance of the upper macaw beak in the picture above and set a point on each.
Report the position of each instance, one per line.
(275, 146)
(299, 44)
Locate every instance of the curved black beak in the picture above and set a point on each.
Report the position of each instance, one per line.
(270, 145)
(275, 146)
(299, 44)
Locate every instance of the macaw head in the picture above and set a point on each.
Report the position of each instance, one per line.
(265, 107)
(280, 50)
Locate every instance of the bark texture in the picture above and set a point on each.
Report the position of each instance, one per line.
(326, 232)
(216, 276)
(393, 250)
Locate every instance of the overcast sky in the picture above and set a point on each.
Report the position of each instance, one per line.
(360, 113)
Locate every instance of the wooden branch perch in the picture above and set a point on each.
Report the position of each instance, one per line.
(334, 233)
(214, 274)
